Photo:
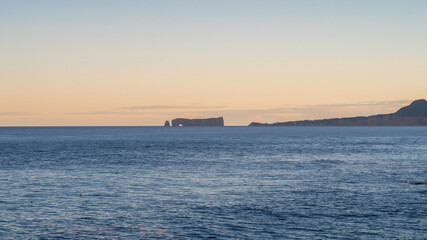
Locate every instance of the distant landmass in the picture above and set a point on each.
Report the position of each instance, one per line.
(414, 114)
(185, 122)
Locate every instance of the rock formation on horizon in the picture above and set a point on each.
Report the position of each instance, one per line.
(197, 122)
(414, 114)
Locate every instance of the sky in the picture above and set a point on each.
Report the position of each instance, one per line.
(139, 63)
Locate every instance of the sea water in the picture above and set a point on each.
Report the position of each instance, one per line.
(213, 182)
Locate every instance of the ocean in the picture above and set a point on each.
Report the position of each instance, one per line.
(213, 182)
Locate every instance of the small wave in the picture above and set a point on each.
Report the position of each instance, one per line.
(416, 183)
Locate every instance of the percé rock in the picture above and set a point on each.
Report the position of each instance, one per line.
(414, 114)
(197, 122)
(167, 124)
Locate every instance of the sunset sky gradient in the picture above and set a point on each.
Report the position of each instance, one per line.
(73, 63)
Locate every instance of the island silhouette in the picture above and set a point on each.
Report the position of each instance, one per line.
(205, 122)
(414, 114)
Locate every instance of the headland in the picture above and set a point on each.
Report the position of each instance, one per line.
(414, 114)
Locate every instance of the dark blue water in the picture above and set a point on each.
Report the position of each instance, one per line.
(218, 182)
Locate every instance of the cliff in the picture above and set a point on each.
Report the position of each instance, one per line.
(414, 114)
(198, 122)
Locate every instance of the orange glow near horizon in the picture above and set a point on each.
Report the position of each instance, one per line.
(111, 64)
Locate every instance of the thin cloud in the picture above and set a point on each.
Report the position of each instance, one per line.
(100, 113)
(393, 105)
(12, 114)
(360, 104)
(166, 107)
(301, 110)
